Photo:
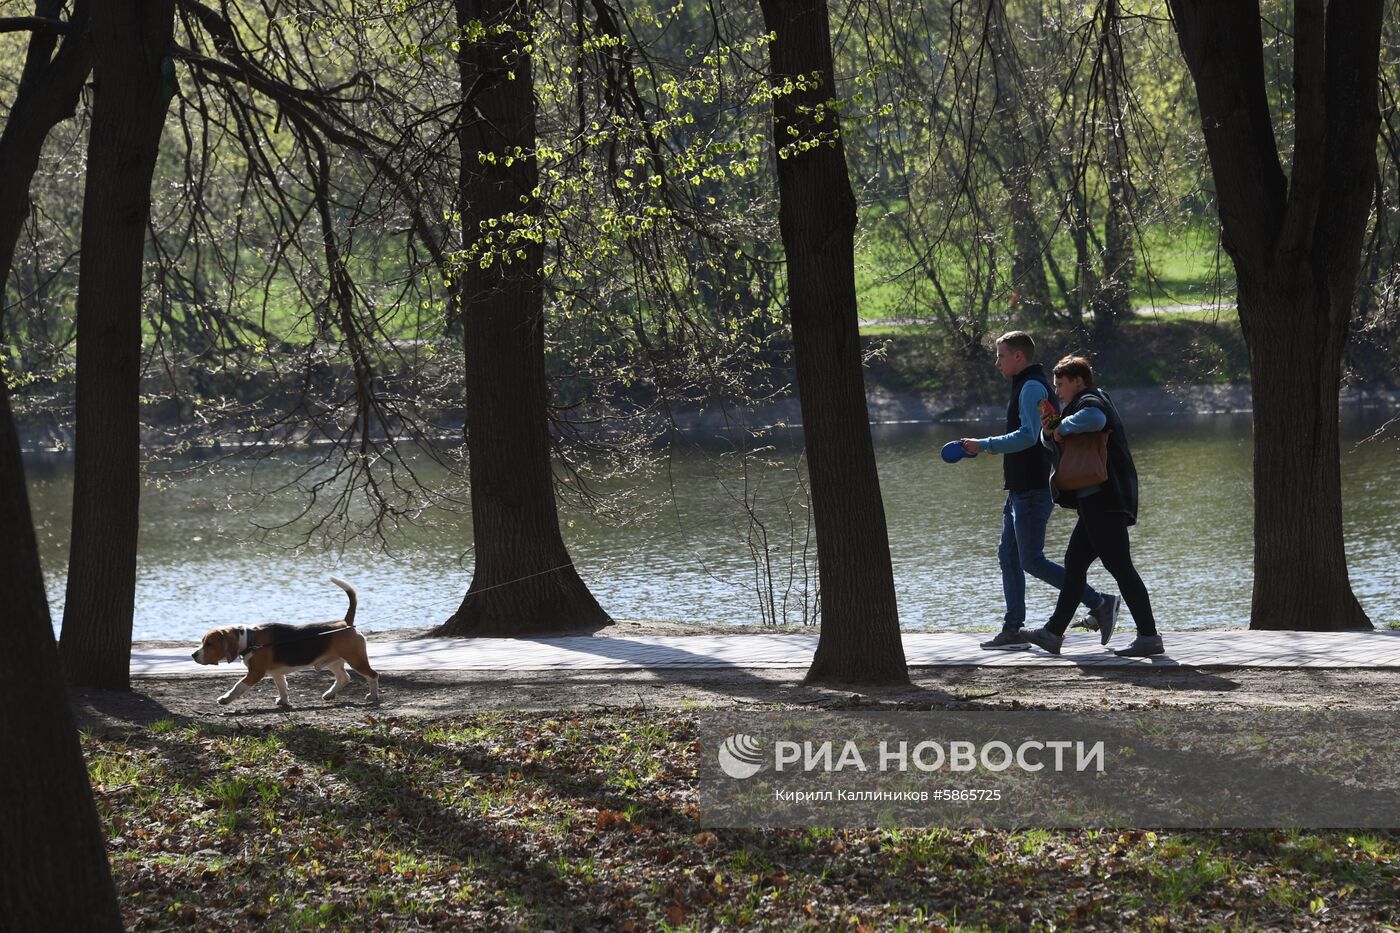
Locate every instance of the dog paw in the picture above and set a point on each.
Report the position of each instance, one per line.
(224, 701)
(284, 704)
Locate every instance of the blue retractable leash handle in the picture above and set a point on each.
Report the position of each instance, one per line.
(953, 451)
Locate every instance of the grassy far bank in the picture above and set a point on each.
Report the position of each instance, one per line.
(1179, 265)
(1176, 265)
(1173, 338)
(1186, 330)
(567, 820)
(1154, 350)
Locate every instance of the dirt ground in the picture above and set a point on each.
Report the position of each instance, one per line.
(443, 695)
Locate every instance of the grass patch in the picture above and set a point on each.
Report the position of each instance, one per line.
(1176, 264)
(1194, 347)
(550, 821)
(1214, 315)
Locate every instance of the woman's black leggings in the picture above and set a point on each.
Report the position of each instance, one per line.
(1104, 535)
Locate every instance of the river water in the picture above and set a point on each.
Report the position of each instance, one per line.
(696, 557)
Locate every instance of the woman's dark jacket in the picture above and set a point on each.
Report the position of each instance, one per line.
(1122, 485)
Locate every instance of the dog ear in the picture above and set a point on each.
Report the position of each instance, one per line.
(230, 645)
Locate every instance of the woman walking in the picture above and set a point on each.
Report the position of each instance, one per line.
(1105, 509)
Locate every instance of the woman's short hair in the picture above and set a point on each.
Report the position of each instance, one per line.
(1075, 367)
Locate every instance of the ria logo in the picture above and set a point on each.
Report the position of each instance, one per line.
(740, 756)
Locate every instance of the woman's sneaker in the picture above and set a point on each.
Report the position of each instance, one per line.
(1107, 616)
(1142, 647)
(1006, 641)
(1092, 620)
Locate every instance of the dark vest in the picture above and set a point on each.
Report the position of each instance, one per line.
(1122, 486)
(1027, 469)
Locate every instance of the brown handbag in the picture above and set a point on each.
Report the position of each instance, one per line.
(1083, 461)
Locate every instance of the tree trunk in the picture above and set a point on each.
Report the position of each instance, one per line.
(860, 640)
(524, 580)
(47, 95)
(53, 859)
(1295, 239)
(1300, 579)
(1028, 281)
(1086, 281)
(134, 81)
(1113, 302)
(52, 854)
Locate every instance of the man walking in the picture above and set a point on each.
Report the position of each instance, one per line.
(1026, 471)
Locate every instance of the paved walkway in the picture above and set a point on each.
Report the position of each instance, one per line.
(921, 649)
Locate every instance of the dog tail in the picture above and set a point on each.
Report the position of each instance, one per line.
(349, 591)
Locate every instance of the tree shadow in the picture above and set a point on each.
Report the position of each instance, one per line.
(418, 821)
(740, 681)
(1165, 677)
(399, 808)
(104, 710)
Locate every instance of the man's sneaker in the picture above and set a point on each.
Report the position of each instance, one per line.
(1043, 638)
(1107, 616)
(1006, 641)
(1142, 647)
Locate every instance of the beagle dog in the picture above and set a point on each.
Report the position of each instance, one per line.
(275, 649)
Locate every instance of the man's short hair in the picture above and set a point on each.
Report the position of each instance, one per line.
(1075, 367)
(1018, 340)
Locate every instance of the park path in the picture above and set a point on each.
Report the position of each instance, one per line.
(1236, 648)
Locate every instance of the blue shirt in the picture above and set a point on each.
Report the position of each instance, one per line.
(1026, 436)
(1085, 421)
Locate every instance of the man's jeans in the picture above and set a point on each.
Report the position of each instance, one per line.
(1022, 551)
